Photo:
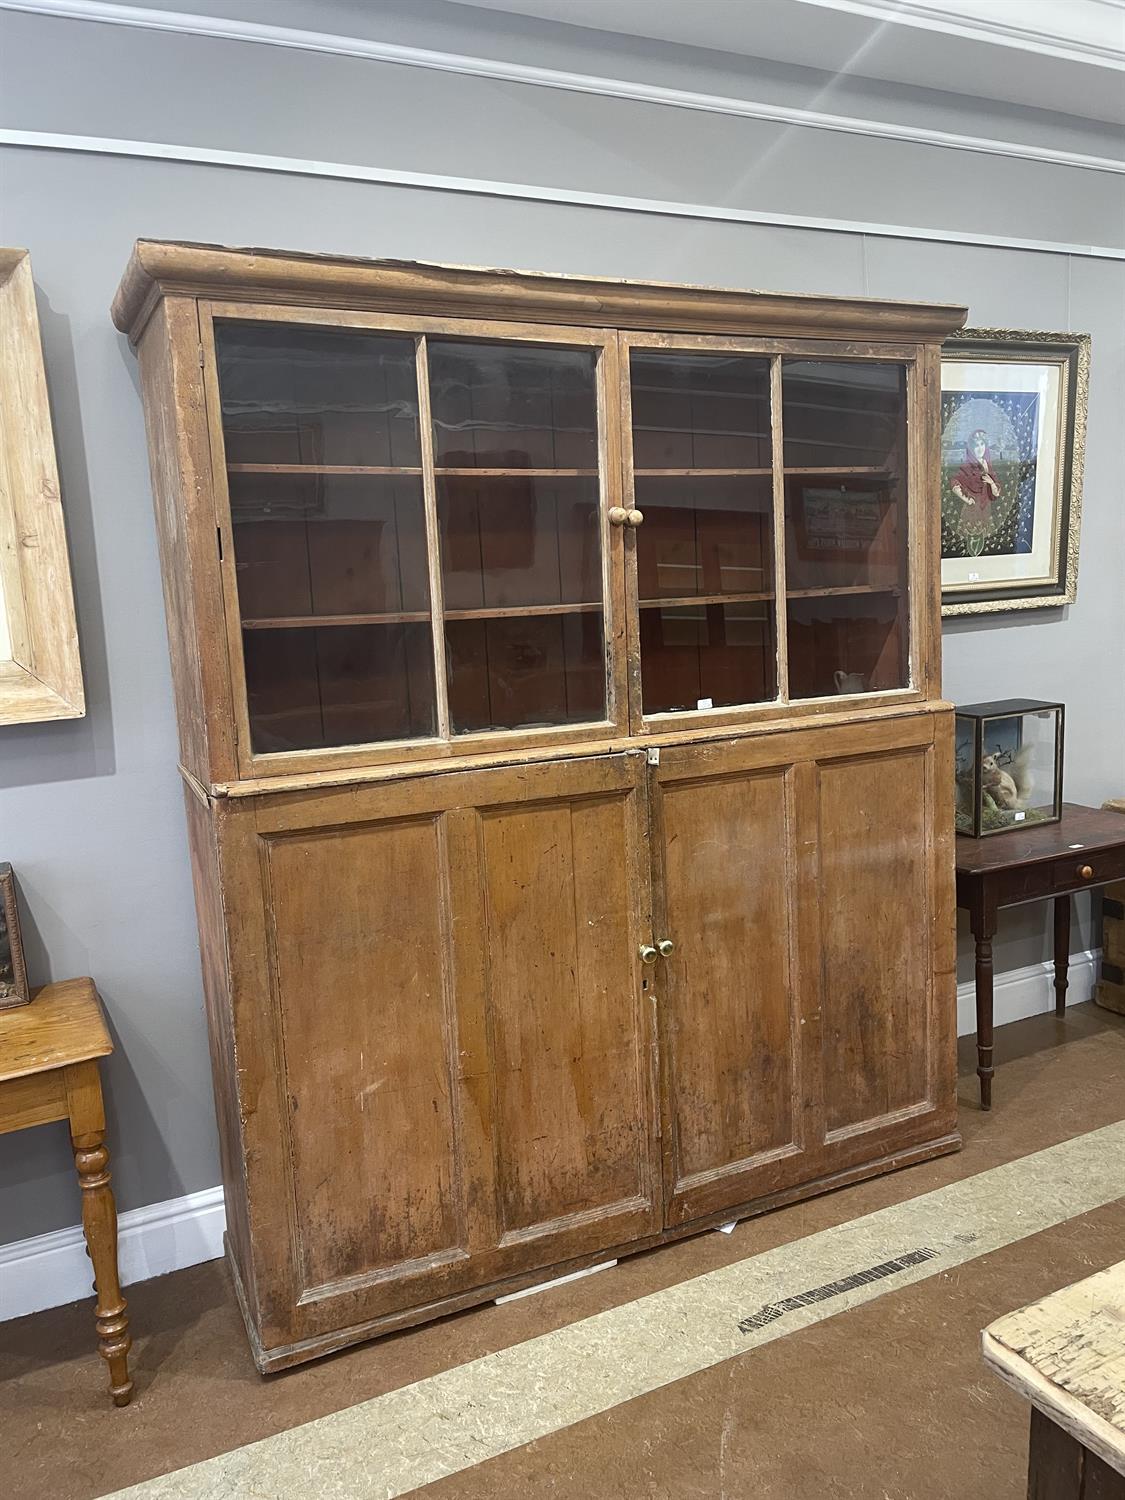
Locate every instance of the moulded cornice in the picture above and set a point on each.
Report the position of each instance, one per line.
(163, 268)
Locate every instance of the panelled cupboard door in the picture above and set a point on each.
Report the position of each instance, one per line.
(807, 1005)
(884, 902)
(443, 1025)
(735, 1058)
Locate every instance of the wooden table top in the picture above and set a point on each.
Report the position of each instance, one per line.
(1066, 1355)
(63, 1024)
(1080, 828)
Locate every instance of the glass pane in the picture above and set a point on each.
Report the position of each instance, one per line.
(521, 552)
(702, 478)
(331, 568)
(513, 406)
(294, 395)
(339, 685)
(845, 526)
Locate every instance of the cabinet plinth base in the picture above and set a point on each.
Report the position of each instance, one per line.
(284, 1356)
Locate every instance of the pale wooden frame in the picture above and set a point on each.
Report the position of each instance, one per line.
(1070, 351)
(41, 678)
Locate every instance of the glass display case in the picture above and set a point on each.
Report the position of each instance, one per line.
(1009, 757)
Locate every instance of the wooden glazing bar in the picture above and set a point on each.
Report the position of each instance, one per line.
(433, 540)
(778, 456)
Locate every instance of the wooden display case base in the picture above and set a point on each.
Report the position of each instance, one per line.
(285, 1356)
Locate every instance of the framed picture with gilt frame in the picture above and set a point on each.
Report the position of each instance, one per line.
(1013, 440)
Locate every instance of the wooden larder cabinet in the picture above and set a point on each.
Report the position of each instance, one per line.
(556, 664)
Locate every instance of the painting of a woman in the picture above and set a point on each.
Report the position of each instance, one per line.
(976, 486)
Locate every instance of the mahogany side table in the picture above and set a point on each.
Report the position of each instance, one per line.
(49, 1054)
(1084, 850)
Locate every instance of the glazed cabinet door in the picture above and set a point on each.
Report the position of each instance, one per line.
(807, 1003)
(442, 1029)
(414, 534)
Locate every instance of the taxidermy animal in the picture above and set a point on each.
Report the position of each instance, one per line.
(1008, 787)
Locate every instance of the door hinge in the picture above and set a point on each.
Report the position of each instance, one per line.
(201, 356)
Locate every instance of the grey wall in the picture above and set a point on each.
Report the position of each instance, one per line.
(90, 812)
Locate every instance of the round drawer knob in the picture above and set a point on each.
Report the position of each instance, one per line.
(634, 518)
(667, 947)
(1085, 872)
(649, 954)
(618, 515)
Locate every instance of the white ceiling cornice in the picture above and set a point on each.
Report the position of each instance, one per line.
(1094, 29)
(1061, 55)
(229, 29)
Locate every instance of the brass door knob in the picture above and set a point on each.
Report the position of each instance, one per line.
(634, 518)
(649, 954)
(666, 947)
(618, 515)
(1085, 872)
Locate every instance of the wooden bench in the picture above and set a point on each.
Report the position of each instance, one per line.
(1066, 1354)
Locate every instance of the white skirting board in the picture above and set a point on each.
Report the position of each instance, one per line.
(52, 1269)
(1028, 992)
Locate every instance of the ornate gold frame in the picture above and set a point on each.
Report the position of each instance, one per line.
(1010, 346)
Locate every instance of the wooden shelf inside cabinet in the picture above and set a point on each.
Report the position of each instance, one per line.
(853, 588)
(699, 473)
(471, 473)
(440, 471)
(833, 469)
(402, 617)
(306, 622)
(692, 599)
(518, 611)
(325, 469)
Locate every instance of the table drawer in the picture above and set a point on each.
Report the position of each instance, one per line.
(1106, 864)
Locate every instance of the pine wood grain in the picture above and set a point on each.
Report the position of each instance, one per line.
(63, 1024)
(43, 678)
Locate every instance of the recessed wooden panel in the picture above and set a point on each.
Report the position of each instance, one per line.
(368, 1046)
(572, 1134)
(876, 936)
(727, 994)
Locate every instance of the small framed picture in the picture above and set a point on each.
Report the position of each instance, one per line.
(13, 974)
(1013, 438)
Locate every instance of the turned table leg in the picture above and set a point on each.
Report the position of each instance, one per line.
(984, 925)
(99, 1223)
(1062, 952)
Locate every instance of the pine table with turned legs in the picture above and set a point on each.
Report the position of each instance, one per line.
(1085, 849)
(49, 1053)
